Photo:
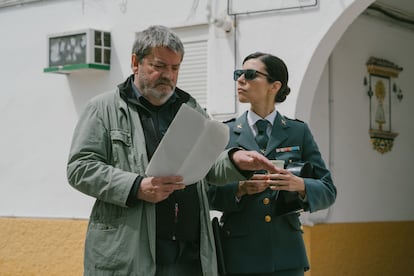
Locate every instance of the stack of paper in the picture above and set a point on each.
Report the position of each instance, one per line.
(189, 147)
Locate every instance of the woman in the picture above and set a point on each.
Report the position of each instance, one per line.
(261, 235)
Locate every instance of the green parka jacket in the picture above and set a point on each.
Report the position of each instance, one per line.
(107, 154)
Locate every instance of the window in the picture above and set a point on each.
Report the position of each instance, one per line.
(102, 47)
(193, 70)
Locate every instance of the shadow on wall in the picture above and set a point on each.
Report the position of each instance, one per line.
(85, 84)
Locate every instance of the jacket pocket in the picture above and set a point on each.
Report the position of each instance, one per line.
(294, 222)
(289, 156)
(122, 136)
(235, 226)
(121, 141)
(105, 246)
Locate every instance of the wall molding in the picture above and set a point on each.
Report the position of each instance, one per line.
(9, 3)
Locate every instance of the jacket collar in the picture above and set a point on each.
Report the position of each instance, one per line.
(246, 139)
(128, 94)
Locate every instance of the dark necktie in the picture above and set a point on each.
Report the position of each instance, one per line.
(261, 137)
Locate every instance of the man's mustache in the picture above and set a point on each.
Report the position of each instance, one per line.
(164, 82)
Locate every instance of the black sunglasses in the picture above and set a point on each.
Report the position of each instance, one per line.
(249, 74)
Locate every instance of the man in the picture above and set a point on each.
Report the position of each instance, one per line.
(143, 225)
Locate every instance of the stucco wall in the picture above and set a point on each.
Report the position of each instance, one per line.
(32, 247)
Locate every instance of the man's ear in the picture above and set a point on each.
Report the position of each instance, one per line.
(134, 63)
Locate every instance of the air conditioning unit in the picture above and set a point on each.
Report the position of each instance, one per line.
(87, 49)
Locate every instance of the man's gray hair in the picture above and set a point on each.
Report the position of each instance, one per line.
(156, 36)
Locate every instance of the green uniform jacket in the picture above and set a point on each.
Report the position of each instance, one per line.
(255, 239)
(107, 154)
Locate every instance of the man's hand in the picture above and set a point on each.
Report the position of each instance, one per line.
(156, 189)
(252, 161)
(256, 184)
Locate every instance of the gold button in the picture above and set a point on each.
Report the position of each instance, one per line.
(268, 218)
(266, 200)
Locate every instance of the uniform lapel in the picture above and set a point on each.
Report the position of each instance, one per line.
(278, 134)
(245, 137)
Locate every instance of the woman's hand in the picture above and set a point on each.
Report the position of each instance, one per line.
(286, 181)
(282, 181)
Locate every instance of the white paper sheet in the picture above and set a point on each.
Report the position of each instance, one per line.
(189, 147)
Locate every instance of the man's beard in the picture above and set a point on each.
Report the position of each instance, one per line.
(151, 90)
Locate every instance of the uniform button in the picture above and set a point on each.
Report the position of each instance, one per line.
(266, 200)
(268, 218)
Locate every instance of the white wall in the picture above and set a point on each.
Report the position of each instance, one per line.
(38, 111)
(295, 36)
(371, 186)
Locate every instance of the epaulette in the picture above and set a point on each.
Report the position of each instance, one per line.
(229, 120)
(287, 118)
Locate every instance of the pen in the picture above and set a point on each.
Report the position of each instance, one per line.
(294, 148)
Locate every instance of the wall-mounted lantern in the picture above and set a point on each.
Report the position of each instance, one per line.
(380, 85)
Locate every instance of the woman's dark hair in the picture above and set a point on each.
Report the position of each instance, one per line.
(277, 71)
